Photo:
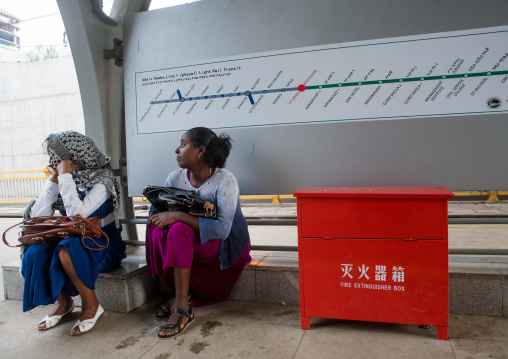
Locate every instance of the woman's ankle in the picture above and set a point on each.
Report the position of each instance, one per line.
(182, 303)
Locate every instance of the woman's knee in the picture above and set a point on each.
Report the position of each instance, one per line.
(180, 228)
(155, 234)
(65, 258)
(153, 230)
(180, 232)
(38, 257)
(40, 251)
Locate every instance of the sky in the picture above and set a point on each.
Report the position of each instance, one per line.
(47, 29)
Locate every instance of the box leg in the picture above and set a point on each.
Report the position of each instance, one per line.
(305, 322)
(442, 333)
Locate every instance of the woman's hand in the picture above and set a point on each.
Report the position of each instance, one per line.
(165, 218)
(53, 174)
(66, 166)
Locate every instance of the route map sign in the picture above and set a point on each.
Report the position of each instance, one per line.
(445, 74)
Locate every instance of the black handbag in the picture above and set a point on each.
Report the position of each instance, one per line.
(166, 199)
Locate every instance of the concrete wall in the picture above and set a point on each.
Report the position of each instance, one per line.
(36, 99)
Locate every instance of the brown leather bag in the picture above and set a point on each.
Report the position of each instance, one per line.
(52, 229)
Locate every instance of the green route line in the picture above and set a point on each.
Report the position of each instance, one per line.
(409, 79)
(302, 87)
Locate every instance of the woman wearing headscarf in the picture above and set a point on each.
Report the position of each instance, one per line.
(80, 182)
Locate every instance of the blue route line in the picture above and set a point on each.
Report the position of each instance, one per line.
(231, 94)
(314, 87)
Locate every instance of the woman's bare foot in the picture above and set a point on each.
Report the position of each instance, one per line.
(87, 312)
(167, 308)
(173, 319)
(63, 304)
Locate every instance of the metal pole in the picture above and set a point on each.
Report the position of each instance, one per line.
(479, 251)
(452, 251)
(292, 221)
(478, 220)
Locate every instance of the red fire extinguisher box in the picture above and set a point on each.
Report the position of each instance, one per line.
(374, 254)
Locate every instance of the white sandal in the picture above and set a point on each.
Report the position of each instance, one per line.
(54, 319)
(87, 324)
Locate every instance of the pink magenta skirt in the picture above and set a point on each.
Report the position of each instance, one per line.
(180, 247)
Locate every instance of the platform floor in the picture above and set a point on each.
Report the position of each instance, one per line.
(236, 329)
(246, 330)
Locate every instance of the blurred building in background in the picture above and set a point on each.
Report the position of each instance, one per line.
(8, 30)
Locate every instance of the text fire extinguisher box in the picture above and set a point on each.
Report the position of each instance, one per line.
(374, 254)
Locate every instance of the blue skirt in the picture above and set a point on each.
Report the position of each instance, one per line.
(45, 277)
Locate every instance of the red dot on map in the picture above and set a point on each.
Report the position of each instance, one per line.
(301, 88)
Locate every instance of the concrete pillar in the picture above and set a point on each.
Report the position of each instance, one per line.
(100, 83)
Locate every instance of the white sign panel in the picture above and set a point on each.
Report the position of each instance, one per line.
(448, 74)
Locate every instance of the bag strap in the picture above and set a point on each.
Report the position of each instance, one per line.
(41, 219)
(5, 239)
(96, 230)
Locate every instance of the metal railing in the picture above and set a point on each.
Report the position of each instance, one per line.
(16, 187)
(292, 221)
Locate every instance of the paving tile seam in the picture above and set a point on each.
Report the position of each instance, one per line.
(451, 347)
(148, 350)
(483, 276)
(299, 343)
(479, 340)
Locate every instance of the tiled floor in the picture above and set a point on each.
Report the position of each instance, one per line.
(246, 330)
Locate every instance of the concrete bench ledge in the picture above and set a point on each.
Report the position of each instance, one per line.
(478, 285)
(121, 290)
